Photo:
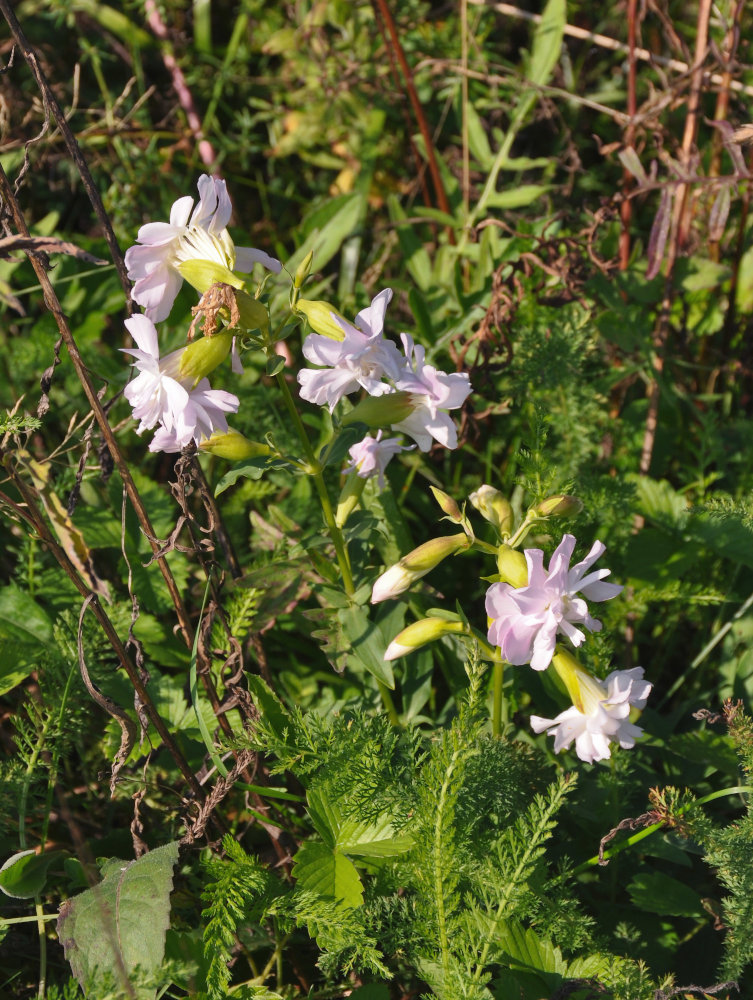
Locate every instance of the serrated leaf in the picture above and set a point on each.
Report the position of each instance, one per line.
(372, 840)
(121, 923)
(269, 705)
(327, 874)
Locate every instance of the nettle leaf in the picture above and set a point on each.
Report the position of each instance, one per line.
(660, 893)
(120, 924)
(23, 875)
(325, 873)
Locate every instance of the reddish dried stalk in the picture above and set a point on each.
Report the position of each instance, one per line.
(627, 177)
(418, 111)
(184, 95)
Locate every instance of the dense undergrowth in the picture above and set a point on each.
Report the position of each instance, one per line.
(214, 782)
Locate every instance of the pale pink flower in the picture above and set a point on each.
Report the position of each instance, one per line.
(359, 360)
(526, 620)
(433, 392)
(605, 716)
(200, 234)
(184, 411)
(372, 455)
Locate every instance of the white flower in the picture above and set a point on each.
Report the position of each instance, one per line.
(605, 716)
(199, 234)
(526, 620)
(185, 412)
(433, 392)
(371, 456)
(360, 359)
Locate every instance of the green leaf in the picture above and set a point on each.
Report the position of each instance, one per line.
(23, 875)
(372, 840)
(24, 629)
(121, 923)
(327, 874)
(517, 197)
(22, 618)
(269, 705)
(369, 642)
(659, 893)
(251, 470)
(478, 142)
(275, 364)
(414, 254)
(547, 43)
(325, 242)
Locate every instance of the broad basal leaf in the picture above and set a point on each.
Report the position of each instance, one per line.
(121, 923)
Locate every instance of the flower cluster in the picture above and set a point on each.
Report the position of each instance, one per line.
(172, 393)
(356, 356)
(527, 612)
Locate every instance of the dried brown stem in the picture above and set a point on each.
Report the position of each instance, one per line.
(681, 220)
(53, 304)
(33, 517)
(51, 105)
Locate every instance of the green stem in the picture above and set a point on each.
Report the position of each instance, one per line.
(498, 699)
(648, 830)
(316, 473)
(388, 703)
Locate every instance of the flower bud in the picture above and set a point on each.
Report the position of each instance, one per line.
(558, 506)
(202, 274)
(321, 319)
(349, 497)
(512, 566)
(586, 693)
(398, 578)
(381, 411)
(252, 314)
(447, 504)
(234, 446)
(418, 634)
(494, 507)
(302, 272)
(202, 356)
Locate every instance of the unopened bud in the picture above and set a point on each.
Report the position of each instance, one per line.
(349, 497)
(585, 691)
(321, 317)
(234, 446)
(382, 411)
(302, 271)
(202, 356)
(418, 634)
(202, 274)
(558, 506)
(494, 507)
(447, 504)
(252, 314)
(398, 578)
(512, 566)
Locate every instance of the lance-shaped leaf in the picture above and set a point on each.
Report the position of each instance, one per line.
(120, 924)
